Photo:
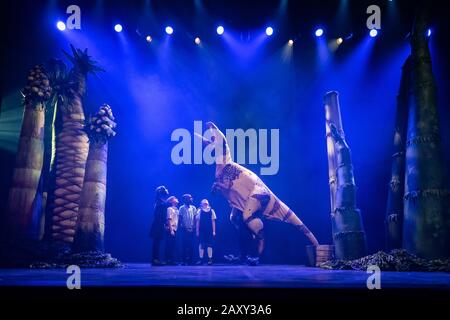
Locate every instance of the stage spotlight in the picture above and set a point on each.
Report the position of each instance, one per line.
(197, 41)
(169, 30)
(269, 31)
(339, 41)
(220, 30)
(148, 39)
(61, 26)
(373, 33)
(118, 28)
(291, 42)
(319, 32)
(429, 33)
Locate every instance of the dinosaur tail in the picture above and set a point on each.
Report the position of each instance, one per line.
(288, 216)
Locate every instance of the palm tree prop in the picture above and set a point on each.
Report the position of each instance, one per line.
(60, 83)
(71, 149)
(24, 200)
(91, 217)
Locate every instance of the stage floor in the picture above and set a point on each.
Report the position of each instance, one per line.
(263, 276)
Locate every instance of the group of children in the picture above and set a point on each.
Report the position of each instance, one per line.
(187, 221)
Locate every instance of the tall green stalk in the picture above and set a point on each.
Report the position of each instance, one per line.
(396, 188)
(426, 227)
(347, 227)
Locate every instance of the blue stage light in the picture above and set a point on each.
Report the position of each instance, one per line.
(118, 28)
(319, 32)
(373, 33)
(269, 31)
(220, 30)
(169, 30)
(61, 25)
(429, 33)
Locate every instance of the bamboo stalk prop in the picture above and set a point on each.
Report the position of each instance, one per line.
(71, 150)
(91, 217)
(332, 115)
(396, 187)
(348, 232)
(426, 227)
(24, 198)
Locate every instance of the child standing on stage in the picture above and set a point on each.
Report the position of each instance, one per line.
(171, 226)
(157, 231)
(206, 229)
(187, 227)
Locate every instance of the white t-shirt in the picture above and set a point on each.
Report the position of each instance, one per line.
(172, 215)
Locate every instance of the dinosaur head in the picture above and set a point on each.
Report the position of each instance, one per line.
(215, 141)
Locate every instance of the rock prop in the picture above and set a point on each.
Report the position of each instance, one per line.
(91, 259)
(396, 260)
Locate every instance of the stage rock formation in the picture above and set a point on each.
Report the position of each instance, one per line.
(396, 260)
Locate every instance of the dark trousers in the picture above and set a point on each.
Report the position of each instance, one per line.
(188, 240)
(247, 244)
(156, 247)
(170, 247)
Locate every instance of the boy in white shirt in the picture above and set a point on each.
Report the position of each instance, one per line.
(187, 214)
(171, 226)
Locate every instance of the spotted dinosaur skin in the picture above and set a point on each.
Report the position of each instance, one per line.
(246, 192)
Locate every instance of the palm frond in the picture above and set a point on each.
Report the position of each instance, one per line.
(59, 79)
(82, 61)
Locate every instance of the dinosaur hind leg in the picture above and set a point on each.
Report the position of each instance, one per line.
(254, 223)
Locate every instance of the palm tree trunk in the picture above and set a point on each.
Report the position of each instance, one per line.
(91, 217)
(27, 173)
(426, 227)
(72, 150)
(48, 167)
(24, 199)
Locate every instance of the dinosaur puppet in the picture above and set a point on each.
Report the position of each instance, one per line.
(245, 191)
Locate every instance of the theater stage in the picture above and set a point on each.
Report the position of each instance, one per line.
(263, 276)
